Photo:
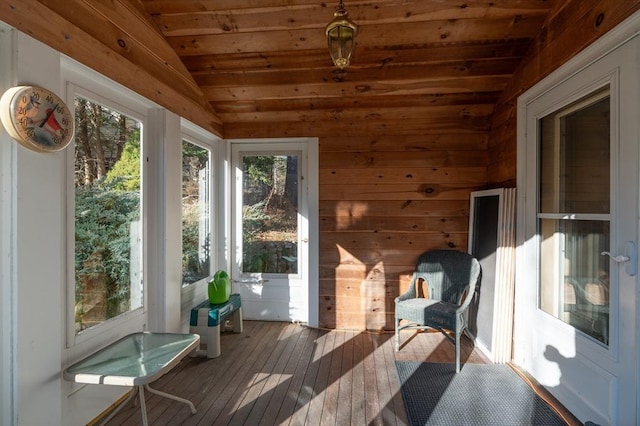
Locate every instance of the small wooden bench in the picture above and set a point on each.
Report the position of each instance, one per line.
(207, 318)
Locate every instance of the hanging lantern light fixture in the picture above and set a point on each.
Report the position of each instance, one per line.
(341, 37)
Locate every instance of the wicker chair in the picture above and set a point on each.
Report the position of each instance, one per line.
(450, 278)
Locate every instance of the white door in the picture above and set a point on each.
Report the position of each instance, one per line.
(577, 278)
(270, 234)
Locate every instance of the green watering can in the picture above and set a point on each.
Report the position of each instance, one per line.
(219, 288)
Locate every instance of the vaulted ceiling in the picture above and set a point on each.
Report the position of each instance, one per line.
(267, 60)
(255, 62)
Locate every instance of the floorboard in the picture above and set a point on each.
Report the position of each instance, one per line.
(278, 373)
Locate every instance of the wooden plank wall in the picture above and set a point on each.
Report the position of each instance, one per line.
(386, 195)
(383, 201)
(393, 182)
(393, 188)
(570, 28)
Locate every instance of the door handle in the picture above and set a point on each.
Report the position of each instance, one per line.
(618, 259)
(629, 258)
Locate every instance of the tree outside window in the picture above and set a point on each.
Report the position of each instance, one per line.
(108, 229)
(196, 217)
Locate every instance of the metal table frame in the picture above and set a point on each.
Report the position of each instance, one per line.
(135, 360)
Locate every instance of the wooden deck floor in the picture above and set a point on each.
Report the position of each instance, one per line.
(282, 373)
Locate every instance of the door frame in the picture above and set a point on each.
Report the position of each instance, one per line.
(312, 182)
(525, 293)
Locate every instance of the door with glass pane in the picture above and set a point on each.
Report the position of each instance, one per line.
(579, 263)
(270, 230)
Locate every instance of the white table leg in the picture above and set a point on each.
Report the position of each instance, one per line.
(175, 398)
(143, 406)
(133, 393)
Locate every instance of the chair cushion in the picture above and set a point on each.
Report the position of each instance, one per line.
(433, 313)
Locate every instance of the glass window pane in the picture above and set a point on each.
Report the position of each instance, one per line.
(574, 153)
(270, 214)
(196, 218)
(575, 180)
(108, 228)
(574, 282)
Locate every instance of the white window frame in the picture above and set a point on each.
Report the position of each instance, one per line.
(194, 293)
(8, 242)
(81, 81)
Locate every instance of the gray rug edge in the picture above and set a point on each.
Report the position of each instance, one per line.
(444, 399)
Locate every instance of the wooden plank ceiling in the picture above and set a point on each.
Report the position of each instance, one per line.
(247, 64)
(265, 61)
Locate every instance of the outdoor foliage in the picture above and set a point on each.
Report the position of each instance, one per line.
(125, 174)
(107, 211)
(269, 213)
(103, 222)
(254, 221)
(193, 269)
(196, 236)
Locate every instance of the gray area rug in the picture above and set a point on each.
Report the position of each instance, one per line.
(434, 394)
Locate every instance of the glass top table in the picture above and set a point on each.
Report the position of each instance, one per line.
(135, 360)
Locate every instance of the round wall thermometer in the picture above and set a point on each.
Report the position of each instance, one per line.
(37, 118)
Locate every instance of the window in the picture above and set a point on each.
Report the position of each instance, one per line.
(107, 214)
(196, 213)
(270, 214)
(574, 217)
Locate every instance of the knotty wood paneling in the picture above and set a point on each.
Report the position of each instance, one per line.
(190, 18)
(120, 42)
(428, 67)
(386, 196)
(374, 126)
(341, 103)
(424, 115)
(384, 200)
(317, 58)
(571, 27)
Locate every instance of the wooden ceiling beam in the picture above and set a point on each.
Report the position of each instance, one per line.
(424, 114)
(416, 71)
(117, 22)
(419, 64)
(358, 128)
(159, 7)
(120, 26)
(433, 32)
(296, 17)
(378, 56)
(437, 86)
(391, 101)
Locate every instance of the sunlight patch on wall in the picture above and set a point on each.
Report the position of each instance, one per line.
(349, 213)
